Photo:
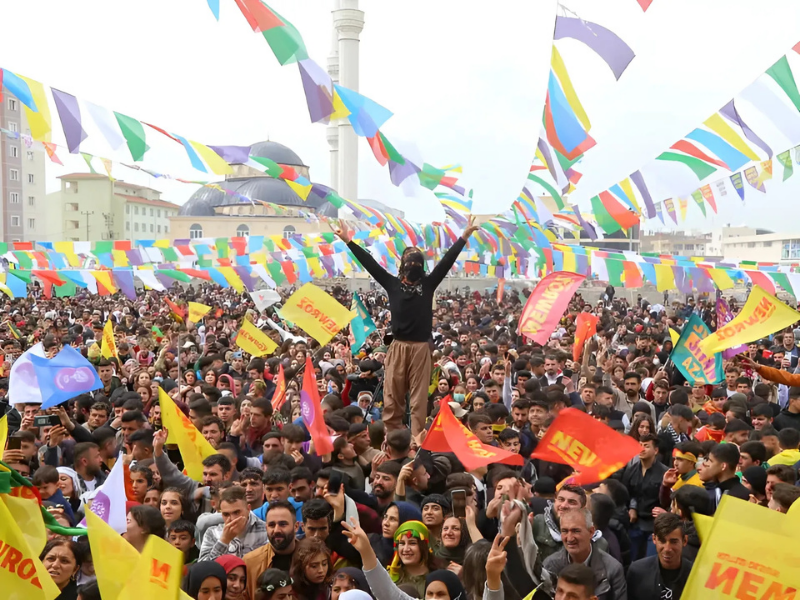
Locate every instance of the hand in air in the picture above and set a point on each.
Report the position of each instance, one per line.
(470, 228)
(339, 231)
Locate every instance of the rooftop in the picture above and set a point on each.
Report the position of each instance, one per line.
(159, 203)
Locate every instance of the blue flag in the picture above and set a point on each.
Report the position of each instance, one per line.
(66, 375)
(695, 365)
(361, 325)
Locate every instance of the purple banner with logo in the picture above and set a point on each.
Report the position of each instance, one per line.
(725, 316)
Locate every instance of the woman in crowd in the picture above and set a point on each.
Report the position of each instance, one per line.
(642, 425)
(237, 576)
(346, 579)
(143, 521)
(61, 559)
(69, 484)
(206, 580)
(311, 569)
(174, 506)
(274, 584)
(455, 540)
(394, 515)
(413, 559)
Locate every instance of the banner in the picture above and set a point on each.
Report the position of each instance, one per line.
(744, 555)
(192, 445)
(197, 311)
(761, 315)
(316, 313)
(108, 346)
(279, 395)
(362, 324)
(22, 574)
(254, 341)
(64, 376)
(674, 336)
(547, 304)
(263, 299)
(448, 434)
(157, 574)
(691, 361)
(114, 558)
(725, 316)
(177, 312)
(312, 412)
(585, 327)
(590, 447)
(3, 432)
(109, 501)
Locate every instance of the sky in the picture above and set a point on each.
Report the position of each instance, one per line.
(465, 80)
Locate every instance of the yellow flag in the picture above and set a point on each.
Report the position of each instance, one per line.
(22, 574)
(108, 346)
(761, 315)
(254, 341)
(157, 573)
(28, 517)
(745, 558)
(3, 433)
(197, 311)
(674, 336)
(317, 313)
(114, 558)
(193, 446)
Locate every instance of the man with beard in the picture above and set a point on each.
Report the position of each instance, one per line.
(384, 482)
(281, 529)
(88, 464)
(409, 362)
(546, 528)
(663, 575)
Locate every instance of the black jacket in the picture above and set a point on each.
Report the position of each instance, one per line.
(787, 419)
(644, 489)
(731, 487)
(645, 582)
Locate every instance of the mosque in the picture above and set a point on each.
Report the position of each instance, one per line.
(212, 213)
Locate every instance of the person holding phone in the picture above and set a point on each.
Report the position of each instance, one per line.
(409, 362)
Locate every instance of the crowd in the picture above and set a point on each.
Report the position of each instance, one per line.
(380, 517)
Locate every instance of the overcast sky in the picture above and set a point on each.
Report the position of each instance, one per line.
(465, 80)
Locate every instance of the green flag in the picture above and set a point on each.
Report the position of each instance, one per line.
(361, 325)
(691, 361)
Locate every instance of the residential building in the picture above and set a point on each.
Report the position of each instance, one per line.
(93, 207)
(677, 243)
(780, 248)
(22, 177)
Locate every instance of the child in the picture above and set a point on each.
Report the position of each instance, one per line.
(713, 430)
(181, 535)
(46, 480)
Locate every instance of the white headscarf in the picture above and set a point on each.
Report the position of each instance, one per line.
(76, 483)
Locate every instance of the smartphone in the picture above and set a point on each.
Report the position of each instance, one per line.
(567, 373)
(458, 500)
(14, 443)
(46, 421)
(335, 482)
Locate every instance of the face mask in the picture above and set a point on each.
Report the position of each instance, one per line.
(459, 398)
(414, 273)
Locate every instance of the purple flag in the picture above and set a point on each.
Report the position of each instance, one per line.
(318, 86)
(587, 227)
(606, 44)
(638, 181)
(70, 114)
(246, 277)
(729, 112)
(725, 316)
(400, 173)
(124, 279)
(235, 155)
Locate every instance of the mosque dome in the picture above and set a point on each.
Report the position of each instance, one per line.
(277, 152)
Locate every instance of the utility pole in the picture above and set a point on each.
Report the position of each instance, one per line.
(87, 213)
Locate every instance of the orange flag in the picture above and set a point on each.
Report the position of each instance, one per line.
(447, 434)
(279, 396)
(585, 327)
(590, 447)
(176, 310)
(312, 412)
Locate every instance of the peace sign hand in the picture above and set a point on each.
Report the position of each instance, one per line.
(342, 233)
(496, 562)
(469, 229)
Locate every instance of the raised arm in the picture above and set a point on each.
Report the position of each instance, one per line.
(365, 258)
(449, 259)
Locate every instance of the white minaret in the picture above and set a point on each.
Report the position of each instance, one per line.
(333, 128)
(348, 21)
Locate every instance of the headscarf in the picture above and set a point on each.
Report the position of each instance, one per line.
(356, 575)
(355, 595)
(454, 586)
(229, 562)
(199, 572)
(409, 529)
(406, 511)
(76, 482)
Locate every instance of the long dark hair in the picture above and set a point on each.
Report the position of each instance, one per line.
(307, 549)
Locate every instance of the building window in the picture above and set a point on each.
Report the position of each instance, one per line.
(31, 223)
(71, 207)
(151, 212)
(30, 178)
(136, 227)
(30, 155)
(13, 126)
(288, 231)
(14, 221)
(127, 225)
(13, 197)
(151, 228)
(166, 228)
(689, 247)
(751, 244)
(12, 104)
(136, 210)
(158, 213)
(73, 224)
(159, 229)
(242, 231)
(127, 209)
(14, 151)
(791, 249)
(767, 244)
(13, 175)
(195, 232)
(31, 201)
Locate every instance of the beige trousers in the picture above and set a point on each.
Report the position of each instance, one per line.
(408, 369)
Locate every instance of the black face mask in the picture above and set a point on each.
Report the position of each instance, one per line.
(414, 272)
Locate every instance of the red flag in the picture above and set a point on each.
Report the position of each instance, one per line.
(590, 447)
(546, 304)
(645, 4)
(175, 309)
(447, 434)
(585, 327)
(279, 396)
(501, 286)
(312, 412)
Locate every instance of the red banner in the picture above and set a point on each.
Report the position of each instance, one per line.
(447, 434)
(279, 395)
(312, 412)
(547, 304)
(585, 327)
(590, 447)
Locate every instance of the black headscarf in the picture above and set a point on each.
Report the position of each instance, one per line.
(198, 573)
(454, 586)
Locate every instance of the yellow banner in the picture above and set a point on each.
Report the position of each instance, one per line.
(157, 573)
(761, 315)
(674, 336)
(3, 432)
(108, 346)
(114, 558)
(193, 446)
(745, 557)
(316, 313)
(254, 341)
(22, 574)
(197, 311)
